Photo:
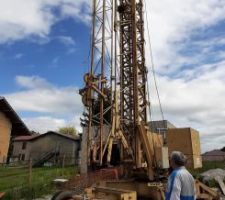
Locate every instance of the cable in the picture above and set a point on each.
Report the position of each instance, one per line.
(152, 63)
(154, 76)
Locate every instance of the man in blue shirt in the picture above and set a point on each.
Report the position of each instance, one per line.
(181, 184)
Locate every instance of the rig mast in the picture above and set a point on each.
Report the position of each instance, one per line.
(133, 72)
(115, 95)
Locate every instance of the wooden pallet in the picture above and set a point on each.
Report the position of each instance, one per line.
(204, 192)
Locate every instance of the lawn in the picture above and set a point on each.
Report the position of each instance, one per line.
(15, 181)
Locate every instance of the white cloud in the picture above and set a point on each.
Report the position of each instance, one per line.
(71, 51)
(190, 97)
(18, 56)
(38, 95)
(196, 102)
(79, 13)
(23, 18)
(42, 124)
(180, 37)
(32, 82)
(55, 60)
(66, 40)
(54, 106)
(173, 22)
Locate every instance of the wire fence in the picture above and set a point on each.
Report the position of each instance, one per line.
(26, 182)
(19, 179)
(54, 160)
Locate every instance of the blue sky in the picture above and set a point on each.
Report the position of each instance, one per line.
(59, 58)
(44, 52)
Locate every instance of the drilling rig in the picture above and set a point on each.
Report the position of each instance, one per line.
(116, 112)
(116, 102)
(115, 93)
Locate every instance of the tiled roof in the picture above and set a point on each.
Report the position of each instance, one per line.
(25, 137)
(215, 152)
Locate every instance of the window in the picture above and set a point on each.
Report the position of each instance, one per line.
(23, 157)
(24, 145)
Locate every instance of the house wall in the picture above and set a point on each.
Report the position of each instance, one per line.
(18, 150)
(215, 155)
(50, 142)
(36, 148)
(215, 158)
(5, 133)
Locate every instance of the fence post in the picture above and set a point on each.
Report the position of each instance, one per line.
(30, 172)
(63, 164)
(63, 161)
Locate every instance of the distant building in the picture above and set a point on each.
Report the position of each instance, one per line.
(180, 139)
(51, 148)
(10, 126)
(214, 155)
(160, 126)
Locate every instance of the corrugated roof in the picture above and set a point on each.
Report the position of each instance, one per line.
(18, 126)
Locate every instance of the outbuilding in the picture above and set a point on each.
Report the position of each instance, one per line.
(49, 148)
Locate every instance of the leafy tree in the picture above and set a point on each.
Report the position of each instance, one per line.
(223, 149)
(70, 130)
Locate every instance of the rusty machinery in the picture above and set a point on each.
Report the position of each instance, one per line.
(115, 92)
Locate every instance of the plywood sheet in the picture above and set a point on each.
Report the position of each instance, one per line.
(187, 141)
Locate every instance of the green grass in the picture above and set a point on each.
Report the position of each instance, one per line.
(15, 181)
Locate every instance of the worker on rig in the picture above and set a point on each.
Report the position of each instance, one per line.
(181, 184)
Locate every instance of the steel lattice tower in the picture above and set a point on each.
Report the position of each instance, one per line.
(117, 64)
(133, 72)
